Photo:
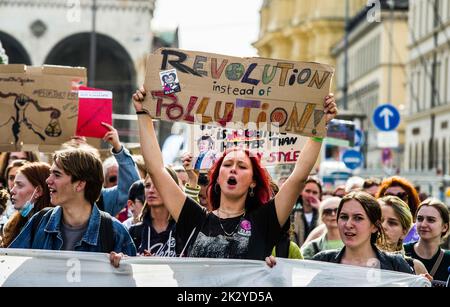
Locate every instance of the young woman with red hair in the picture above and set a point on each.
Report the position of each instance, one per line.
(403, 189)
(245, 223)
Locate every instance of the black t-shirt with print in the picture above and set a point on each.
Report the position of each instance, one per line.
(442, 271)
(251, 236)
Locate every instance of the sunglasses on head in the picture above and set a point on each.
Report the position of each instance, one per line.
(112, 179)
(329, 211)
(402, 195)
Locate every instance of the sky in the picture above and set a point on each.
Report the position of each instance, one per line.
(226, 27)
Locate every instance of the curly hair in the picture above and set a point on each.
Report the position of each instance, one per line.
(4, 196)
(396, 181)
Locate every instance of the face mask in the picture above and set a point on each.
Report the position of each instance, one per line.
(28, 206)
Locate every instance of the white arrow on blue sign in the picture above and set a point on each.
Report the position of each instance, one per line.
(359, 138)
(352, 159)
(386, 117)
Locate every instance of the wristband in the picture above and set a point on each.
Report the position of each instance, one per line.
(141, 112)
(316, 139)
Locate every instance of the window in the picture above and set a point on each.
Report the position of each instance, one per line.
(444, 156)
(446, 99)
(430, 154)
(419, 23)
(437, 84)
(410, 157)
(416, 162)
(423, 157)
(418, 96)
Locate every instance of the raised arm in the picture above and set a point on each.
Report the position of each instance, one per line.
(115, 198)
(291, 189)
(170, 192)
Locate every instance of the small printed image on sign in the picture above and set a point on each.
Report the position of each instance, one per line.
(169, 81)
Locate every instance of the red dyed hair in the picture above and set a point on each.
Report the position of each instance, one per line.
(397, 181)
(262, 189)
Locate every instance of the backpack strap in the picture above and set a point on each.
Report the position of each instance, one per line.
(135, 232)
(437, 263)
(37, 221)
(282, 248)
(106, 233)
(315, 247)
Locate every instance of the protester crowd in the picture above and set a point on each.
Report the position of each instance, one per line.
(137, 206)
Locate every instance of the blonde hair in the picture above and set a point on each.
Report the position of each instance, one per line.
(403, 213)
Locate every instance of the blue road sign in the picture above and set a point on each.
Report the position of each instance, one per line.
(352, 159)
(386, 117)
(359, 138)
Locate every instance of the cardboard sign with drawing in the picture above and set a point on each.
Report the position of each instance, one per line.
(223, 95)
(224, 91)
(39, 105)
(208, 143)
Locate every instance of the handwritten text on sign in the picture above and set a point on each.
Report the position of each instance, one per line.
(219, 90)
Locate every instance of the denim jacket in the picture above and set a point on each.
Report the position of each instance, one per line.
(115, 198)
(48, 234)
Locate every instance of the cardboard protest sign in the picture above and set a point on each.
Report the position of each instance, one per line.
(39, 105)
(207, 143)
(94, 107)
(231, 92)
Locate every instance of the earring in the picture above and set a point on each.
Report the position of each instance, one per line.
(217, 188)
(252, 193)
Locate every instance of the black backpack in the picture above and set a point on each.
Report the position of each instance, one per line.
(106, 229)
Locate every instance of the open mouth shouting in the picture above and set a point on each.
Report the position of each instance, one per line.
(232, 181)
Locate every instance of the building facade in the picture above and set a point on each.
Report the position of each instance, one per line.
(302, 30)
(428, 102)
(377, 58)
(58, 32)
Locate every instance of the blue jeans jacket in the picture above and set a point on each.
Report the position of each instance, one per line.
(48, 234)
(115, 198)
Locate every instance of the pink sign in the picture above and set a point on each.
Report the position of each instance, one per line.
(94, 107)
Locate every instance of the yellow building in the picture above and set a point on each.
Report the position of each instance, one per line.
(306, 30)
(376, 75)
(302, 30)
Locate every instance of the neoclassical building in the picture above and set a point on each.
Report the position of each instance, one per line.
(428, 117)
(302, 30)
(36, 32)
(377, 58)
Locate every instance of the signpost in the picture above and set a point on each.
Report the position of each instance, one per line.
(352, 159)
(386, 117)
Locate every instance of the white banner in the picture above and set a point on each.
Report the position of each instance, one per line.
(19, 267)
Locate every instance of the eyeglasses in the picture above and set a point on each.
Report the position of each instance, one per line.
(402, 195)
(329, 211)
(112, 179)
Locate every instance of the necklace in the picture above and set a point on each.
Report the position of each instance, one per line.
(230, 213)
(229, 235)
